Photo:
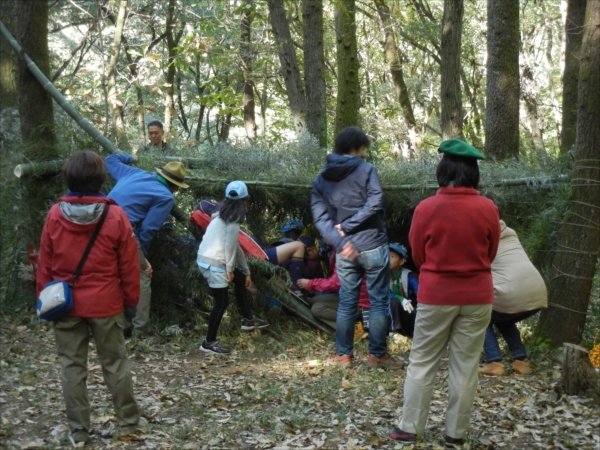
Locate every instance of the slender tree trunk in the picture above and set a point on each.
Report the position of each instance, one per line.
(73, 52)
(8, 65)
(574, 263)
(573, 37)
(502, 93)
(314, 69)
(452, 113)
(116, 106)
(529, 94)
(346, 111)
(289, 64)
(393, 56)
(172, 42)
(247, 83)
(182, 115)
(556, 109)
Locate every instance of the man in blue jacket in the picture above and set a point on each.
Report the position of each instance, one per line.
(147, 199)
(347, 203)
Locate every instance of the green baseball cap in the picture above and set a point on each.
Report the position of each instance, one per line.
(457, 147)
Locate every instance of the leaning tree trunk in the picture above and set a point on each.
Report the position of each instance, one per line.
(392, 54)
(452, 113)
(289, 64)
(346, 111)
(247, 84)
(574, 263)
(573, 37)
(502, 93)
(116, 105)
(314, 69)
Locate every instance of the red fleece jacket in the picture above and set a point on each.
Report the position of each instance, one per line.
(110, 277)
(454, 238)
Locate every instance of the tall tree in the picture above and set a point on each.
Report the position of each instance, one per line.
(173, 38)
(8, 65)
(573, 37)
(346, 111)
(502, 93)
(393, 57)
(116, 105)
(314, 69)
(574, 263)
(289, 63)
(246, 57)
(452, 113)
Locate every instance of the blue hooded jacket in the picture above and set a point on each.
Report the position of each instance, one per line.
(348, 192)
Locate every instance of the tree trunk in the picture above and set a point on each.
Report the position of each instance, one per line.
(247, 84)
(574, 263)
(8, 66)
(529, 94)
(182, 115)
(172, 43)
(393, 56)
(452, 113)
(314, 70)
(116, 106)
(289, 64)
(346, 111)
(578, 374)
(573, 37)
(502, 93)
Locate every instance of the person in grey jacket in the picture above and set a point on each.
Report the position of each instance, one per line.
(222, 261)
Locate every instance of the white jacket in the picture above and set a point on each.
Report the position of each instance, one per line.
(518, 286)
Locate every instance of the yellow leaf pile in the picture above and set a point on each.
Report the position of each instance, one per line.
(595, 352)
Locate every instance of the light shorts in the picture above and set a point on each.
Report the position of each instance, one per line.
(216, 279)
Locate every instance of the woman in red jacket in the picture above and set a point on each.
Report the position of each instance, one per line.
(108, 286)
(454, 238)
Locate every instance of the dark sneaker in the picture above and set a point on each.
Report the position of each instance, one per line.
(396, 434)
(140, 427)
(214, 347)
(453, 442)
(254, 324)
(385, 362)
(341, 360)
(80, 435)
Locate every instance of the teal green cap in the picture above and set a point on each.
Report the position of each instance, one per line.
(457, 147)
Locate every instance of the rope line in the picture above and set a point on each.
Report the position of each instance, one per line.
(568, 309)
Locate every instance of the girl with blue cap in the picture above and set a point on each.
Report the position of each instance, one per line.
(222, 261)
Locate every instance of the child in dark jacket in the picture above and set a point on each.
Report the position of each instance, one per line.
(403, 292)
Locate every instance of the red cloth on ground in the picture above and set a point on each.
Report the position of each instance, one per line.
(110, 277)
(454, 239)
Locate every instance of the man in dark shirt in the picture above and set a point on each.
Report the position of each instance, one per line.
(156, 133)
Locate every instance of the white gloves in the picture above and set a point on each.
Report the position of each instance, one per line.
(407, 305)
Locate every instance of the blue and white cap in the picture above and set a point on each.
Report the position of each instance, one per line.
(400, 249)
(236, 190)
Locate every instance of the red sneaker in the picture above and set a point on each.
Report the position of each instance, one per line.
(341, 360)
(396, 434)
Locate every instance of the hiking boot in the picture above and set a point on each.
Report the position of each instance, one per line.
(453, 442)
(80, 435)
(385, 362)
(396, 434)
(341, 360)
(521, 367)
(492, 368)
(254, 324)
(139, 427)
(214, 347)
(359, 332)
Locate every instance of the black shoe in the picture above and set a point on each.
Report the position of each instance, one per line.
(214, 347)
(396, 434)
(254, 324)
(453, 442)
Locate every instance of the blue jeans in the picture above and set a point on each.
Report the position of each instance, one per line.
(375, 265)
(507, 326)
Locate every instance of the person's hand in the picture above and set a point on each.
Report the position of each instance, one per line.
(339, 228)
(248, 282)
(302, 283)
(407, 305)
(229, 277)
(130, 311)
(149, 268)
(349, 251)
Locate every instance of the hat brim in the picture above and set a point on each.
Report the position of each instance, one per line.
(168, 177)
(395, 249)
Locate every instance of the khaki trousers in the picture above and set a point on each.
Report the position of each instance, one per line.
(141, 321)
(72, 341)
(463, 329)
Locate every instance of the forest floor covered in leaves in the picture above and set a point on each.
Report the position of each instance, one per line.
(271, 394)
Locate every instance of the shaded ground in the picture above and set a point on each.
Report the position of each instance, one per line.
(270, 395)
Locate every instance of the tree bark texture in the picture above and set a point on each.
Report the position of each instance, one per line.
(502, 93)
(578, 374)
(116, 106)
(574, 263)
(573, 38)
(314, 69)
(247, 83)
(393, 56)
(35, 104)
(8, 60)
(529, 94)
(173, 39)
(346, 111)
(289, 64)
(452, 113)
